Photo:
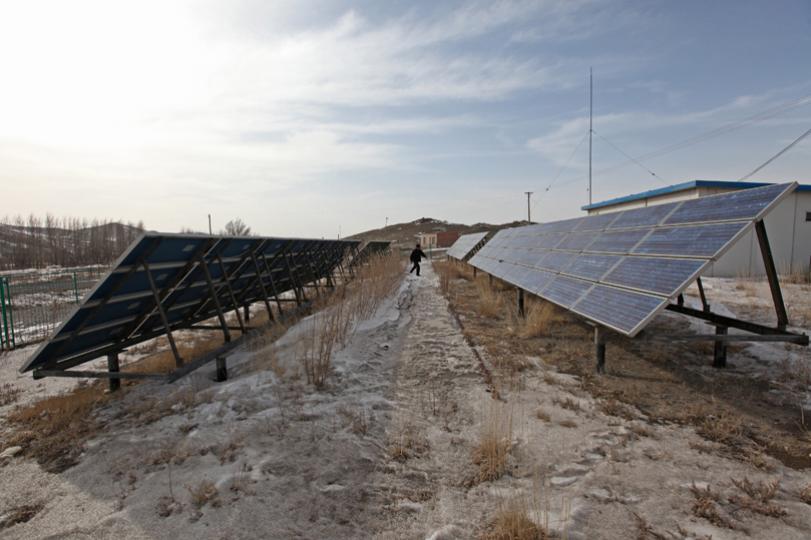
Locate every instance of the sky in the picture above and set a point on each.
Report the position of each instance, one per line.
(321, 118)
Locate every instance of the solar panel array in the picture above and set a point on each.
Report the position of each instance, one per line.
(464, 245)
(369, 250)
(619, 269)
(122, 307)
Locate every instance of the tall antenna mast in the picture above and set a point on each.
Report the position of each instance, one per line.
(591, 109)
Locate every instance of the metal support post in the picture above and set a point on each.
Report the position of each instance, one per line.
(113, 367)
(704, 303)
(162, 312)
(599, 348)
(474, 271)
(521, 310)
(231, 293)
(719, 358)
(771, 274)
(262, 287)
(213, 292)
(222, 370)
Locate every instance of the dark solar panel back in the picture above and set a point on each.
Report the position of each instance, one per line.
(121, 308)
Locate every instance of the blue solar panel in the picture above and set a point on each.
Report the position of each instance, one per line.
(618, 241)
(557, 261)
(743, 204)
(577, 241)
(622, 310)
(643, 217)
(657, 250)
(465, 244)
(591, 266)
(565, 291)
(658, 275)
(698, 240)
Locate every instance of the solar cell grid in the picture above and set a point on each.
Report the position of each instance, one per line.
(630, 263)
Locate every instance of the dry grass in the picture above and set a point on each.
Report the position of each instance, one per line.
(706, 505)
(540, 318)
(512, 522)
(796, 371)
(495, 441)
(489, 302)
(204, 493)
(407, 443)
(724, 428)
(612, 407)
(757, 497)
(541, 414)
(20, 514)
(53, 430)
(567, 403)
(8, 394)
(337, 314)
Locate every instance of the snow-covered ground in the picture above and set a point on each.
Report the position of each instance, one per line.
(384, 451)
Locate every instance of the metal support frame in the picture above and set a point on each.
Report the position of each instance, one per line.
(599, 348)
(259, 280)
(521, 310)
(113, 367)
(719, 356)
(164, 318)
(220, 315)
(771, 274)
(230, 290)
(704, 303)
(323, 261)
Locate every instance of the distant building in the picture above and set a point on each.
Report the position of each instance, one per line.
(440, 239)
(427, 240)
(788, 226)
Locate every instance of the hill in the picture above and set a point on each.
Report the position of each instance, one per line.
(403, 235)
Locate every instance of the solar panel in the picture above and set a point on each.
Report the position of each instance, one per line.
(622, 268)
(370, 249)
(122, 308)
(464, 245)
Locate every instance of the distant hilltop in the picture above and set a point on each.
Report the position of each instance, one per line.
(405, 234)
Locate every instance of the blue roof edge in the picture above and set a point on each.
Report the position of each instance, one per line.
(675, 188)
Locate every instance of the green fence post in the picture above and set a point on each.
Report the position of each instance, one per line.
(3, 325)
(75, 288)
(10, 312)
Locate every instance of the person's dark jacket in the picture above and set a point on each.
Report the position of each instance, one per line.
(417, 255)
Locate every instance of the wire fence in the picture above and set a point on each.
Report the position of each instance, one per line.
(33, 304)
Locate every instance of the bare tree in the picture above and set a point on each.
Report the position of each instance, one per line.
(236, 227)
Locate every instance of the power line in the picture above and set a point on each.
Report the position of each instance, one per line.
(618, 149)
(778, 154)
(701, 137)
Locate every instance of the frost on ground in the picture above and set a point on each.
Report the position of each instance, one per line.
(423, 429)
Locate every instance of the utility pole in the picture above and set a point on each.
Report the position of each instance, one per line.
(591, 109)
(209, 224)
(529, 194)
(387, 221)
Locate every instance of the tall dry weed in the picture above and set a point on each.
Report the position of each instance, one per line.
(540, 319)
(337, 314)
(489, 301)
(491, 454)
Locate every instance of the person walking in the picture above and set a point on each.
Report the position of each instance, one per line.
(416, 256)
